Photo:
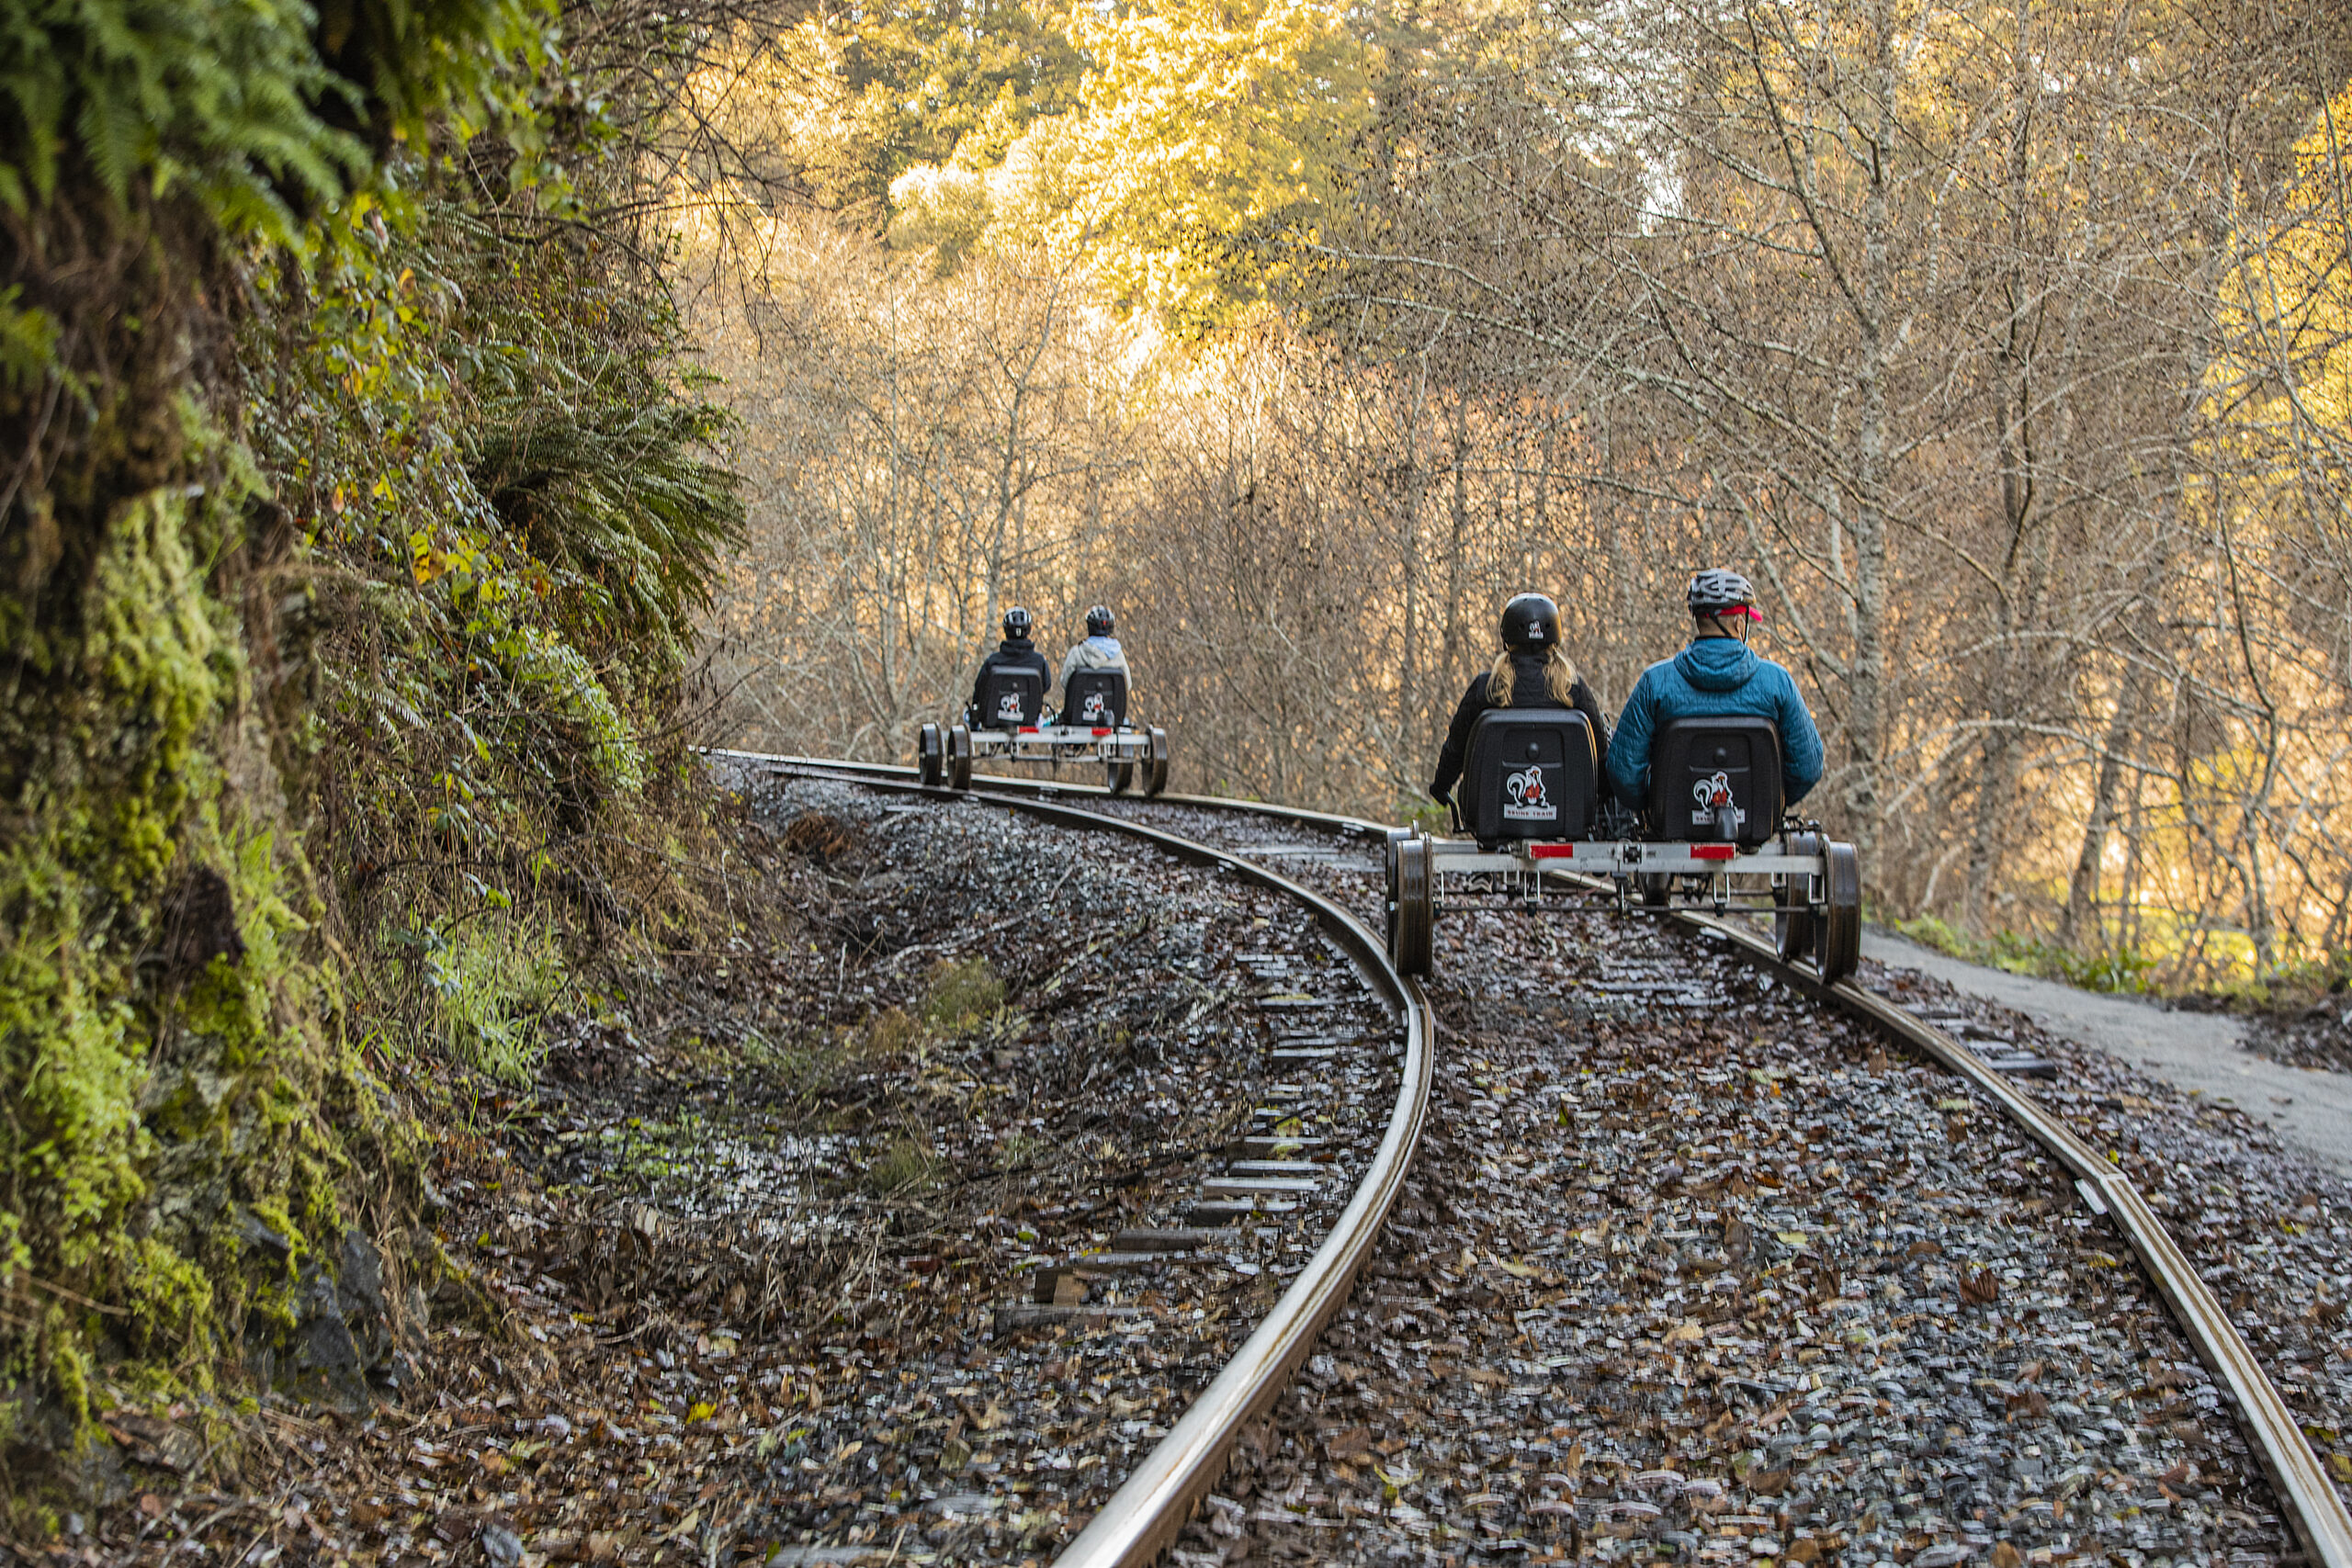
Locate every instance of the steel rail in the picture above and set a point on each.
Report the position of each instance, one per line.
(998, 784)
(1143, 1518)
(2315, 1511)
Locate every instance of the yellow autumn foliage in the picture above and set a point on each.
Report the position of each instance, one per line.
(1207, 138)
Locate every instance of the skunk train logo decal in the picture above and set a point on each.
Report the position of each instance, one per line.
(1094, 711)
(1008, 706)
(1526, 800)
(1709, 793)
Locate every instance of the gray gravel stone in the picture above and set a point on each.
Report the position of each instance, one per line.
(1748, 1244)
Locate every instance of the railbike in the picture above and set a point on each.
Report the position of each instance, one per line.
(1009, 723)
(1712, 836)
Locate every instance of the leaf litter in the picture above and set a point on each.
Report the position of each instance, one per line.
(1690, 1268)
(733, 1285)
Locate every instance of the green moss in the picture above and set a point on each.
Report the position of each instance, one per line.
(284, 1239)
(151, 645)
(171, 1300)
(961, 995)
(73, 1139)
(69, 1367)
(167, 1070)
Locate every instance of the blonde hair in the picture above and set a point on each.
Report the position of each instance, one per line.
(1559, 675)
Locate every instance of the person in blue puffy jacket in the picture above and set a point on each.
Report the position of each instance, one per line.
(1716, 674)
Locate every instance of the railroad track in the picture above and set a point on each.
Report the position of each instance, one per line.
(1151, 1508)
(1141, 1520)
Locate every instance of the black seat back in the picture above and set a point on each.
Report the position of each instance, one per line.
(1012, 698)
(1531, 774)
(1693, 760)
(1091, 698)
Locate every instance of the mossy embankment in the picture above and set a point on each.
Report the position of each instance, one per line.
(356, 508)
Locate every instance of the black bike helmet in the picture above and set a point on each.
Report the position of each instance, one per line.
(1099, 622)
(1719, 592)
(1531, 624)
(1016, 622)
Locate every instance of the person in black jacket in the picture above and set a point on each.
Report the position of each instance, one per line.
(1531, 672)
(1016, 651)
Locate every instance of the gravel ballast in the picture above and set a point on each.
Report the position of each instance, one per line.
(1691, 1268)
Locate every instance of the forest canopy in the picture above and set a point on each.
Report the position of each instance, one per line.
(2001, 343)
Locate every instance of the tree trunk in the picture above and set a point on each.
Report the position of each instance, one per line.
(2079, 927)
(1866, 724)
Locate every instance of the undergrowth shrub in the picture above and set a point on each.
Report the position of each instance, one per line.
(2118, 969)
(1018, 1150)
(905, 1165)
(492, 983)
(890, 1033)
(960, 995)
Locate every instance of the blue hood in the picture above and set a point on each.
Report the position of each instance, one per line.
(1717, 664)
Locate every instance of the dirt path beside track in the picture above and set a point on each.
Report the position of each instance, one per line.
(2198, 1052)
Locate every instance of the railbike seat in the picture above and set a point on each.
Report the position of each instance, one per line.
(1716, 780)
(1095, 698)
(1011, 699)
(1531, 774)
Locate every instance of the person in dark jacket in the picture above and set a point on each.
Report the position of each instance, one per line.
(1715, 675)
(1017, 652)
(1531, 672)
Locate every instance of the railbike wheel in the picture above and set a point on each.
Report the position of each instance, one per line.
(1155, 778)
(1840, 944)
(1397, 838)
(1657, 886)
(931, 756)
(1120, 776)
(959, 757)
(1792, 921)
(1411, 911)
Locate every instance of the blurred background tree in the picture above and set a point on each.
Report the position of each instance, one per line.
(1996, 342)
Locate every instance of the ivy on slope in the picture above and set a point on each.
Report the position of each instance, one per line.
(350, 520)
(493, 450)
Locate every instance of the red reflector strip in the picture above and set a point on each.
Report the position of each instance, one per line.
(1711, 851)
(1101, 729)
(1551, 851)
(1028, 730)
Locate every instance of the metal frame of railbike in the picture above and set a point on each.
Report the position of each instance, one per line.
(946, 757)
(1810, 886)
(1144, 1515)
(1062, 743)
(1621, 861)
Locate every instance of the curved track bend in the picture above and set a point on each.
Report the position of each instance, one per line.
(1149, 1510)
(1143, 1515)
